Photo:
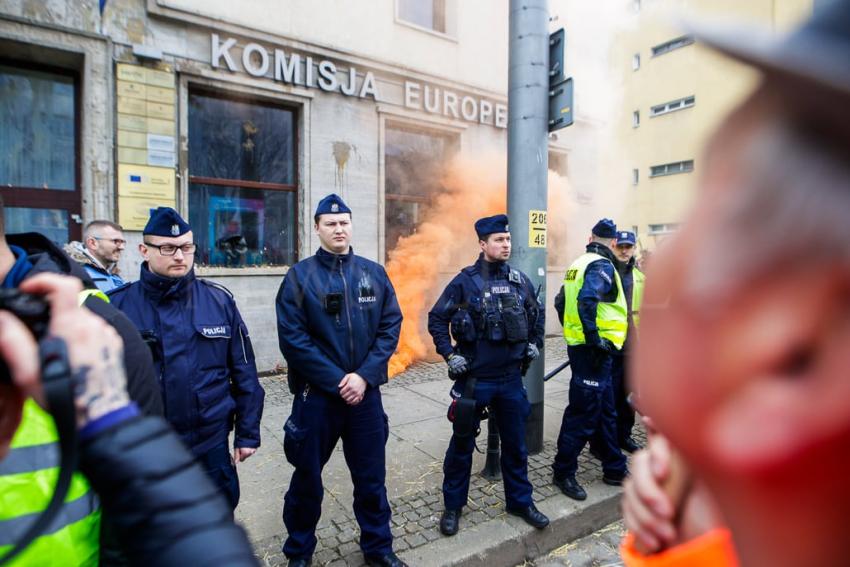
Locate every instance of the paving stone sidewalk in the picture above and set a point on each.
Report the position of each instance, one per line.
(416, 403)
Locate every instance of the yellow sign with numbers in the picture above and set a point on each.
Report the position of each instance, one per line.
(536, 229)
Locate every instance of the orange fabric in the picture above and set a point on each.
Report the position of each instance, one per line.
(712, 549)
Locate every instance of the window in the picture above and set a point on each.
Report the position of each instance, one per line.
(661, 229)
(669, 46)
(635, 176)
(635, 61)
(672, 168)
(636, 6)
(38, 150)
(635, 118)
(413, 159)
(242, 181)
(673, 105)
(429, 14)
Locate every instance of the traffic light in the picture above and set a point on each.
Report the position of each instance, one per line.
(560, 88)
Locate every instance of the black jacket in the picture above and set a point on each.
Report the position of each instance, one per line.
(162, 507)
(142, 387)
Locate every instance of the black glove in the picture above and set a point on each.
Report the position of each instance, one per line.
(601, 350)
(458, 366)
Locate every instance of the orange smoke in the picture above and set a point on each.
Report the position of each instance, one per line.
(445, 241)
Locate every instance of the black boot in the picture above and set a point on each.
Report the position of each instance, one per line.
(450, 522)
(531, 515)
(570, 487)
(388, 560)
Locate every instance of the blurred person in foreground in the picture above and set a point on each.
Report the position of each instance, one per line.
(99, 252)
(745, 333)
(162, 507)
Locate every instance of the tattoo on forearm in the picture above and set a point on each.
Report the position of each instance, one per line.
(100, 387)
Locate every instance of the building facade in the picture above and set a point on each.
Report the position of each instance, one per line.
(675, 92)
(243, 119)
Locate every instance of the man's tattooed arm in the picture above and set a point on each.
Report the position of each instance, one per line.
(100, 384)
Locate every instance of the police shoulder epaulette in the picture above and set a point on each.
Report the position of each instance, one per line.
(217, 286)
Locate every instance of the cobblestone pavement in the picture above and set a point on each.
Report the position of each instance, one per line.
(418, 505)
(599, 549)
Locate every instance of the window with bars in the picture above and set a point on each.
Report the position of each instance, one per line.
(672, 45)
(429, 14)
(242, 180)
(39, 150)
(673, 105)
(672, 168)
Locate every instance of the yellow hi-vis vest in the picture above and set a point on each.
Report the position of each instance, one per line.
(28, 476)
(611, 318)
(638, 280)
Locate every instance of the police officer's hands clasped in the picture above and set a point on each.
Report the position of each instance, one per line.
(352, 388)
(458, 366)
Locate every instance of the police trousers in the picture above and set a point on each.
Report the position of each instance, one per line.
(508, 403)
(218, 464)
(590, 412)
(317, 422)
(625, 412)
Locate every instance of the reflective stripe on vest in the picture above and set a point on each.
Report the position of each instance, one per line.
(28, 476)
(611, 318)
(637, 294)
(86, 293)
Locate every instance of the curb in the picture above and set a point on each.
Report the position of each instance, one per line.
(508, 541)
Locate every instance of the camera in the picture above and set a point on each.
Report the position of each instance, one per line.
(333, 303)
(32, 310)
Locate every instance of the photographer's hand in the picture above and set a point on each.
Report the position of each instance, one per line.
(94, 348)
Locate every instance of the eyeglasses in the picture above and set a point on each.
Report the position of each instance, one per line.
(115, 241)
(171, 250)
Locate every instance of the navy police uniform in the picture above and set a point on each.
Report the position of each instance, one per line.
(336, 314)
(591, 406)
(202, 356)
(480, 309)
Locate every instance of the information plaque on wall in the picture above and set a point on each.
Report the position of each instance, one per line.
(146, 142)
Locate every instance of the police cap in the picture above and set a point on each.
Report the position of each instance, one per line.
(626, 237)
(605, 229)
(165, 221)
(489, 225)
(331, 205)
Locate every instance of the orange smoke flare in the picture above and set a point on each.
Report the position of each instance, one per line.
(444, 242)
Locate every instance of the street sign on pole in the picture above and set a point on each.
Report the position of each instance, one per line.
(561, 105)
(557, 43)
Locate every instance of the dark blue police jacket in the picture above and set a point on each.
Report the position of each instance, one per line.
(202, 355)
(337, 314)
(465, 293)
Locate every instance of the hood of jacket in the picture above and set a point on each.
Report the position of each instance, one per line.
(47, 257)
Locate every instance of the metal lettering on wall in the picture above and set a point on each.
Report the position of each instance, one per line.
(305, 71)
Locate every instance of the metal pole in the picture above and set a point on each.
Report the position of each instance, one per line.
(492, 470)
(528, 160)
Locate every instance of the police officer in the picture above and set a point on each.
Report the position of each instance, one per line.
(492, 313)
(633, 281)
(595, 325)
(202, 352)
(338, 324)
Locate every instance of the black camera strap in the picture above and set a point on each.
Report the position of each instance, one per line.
(59, 391)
